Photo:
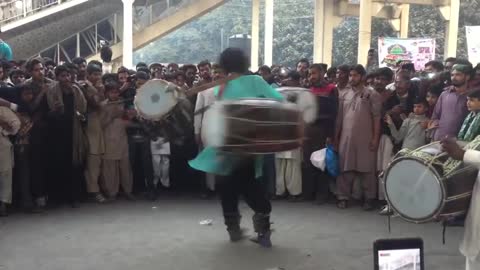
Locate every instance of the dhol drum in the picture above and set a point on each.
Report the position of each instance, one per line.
(304, 99)
(425, 185)
(160, 104)
(253, 126)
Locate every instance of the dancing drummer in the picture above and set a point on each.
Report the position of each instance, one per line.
(237, 175)
(470, 246)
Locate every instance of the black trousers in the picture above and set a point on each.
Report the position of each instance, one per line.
(38, 170)
(142, 168)
(22, 190)
(315, 183)
(242, 182)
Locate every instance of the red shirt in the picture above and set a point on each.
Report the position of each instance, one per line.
(325, 90)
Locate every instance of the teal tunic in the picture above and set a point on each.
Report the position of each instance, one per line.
(5, 51)
(213, 161)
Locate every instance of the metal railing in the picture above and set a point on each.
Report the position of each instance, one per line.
(12, 10)
(87, 42)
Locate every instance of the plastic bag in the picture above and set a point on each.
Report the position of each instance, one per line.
(318, 158)
(331, 162)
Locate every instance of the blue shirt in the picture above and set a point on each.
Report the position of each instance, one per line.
(5, 51)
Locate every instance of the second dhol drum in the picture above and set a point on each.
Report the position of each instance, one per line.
(254, 126)
(165, 109)
(425, 185)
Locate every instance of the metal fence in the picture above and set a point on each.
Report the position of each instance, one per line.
(12, 10)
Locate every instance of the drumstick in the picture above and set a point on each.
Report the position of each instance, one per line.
(119, 101)
(203, 87)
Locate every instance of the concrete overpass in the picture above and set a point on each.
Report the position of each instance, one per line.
(63, 29)
(75, 27)
(170, 21)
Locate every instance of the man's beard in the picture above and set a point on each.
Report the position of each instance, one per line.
(458, 84)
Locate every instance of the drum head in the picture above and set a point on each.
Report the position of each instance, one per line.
(304, 99)
(413, 189)
(155, 99)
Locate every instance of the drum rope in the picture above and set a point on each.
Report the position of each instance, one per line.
(268, 123)
(265, 142)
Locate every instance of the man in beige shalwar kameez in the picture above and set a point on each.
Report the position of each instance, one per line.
(9, 125)
(357, 137)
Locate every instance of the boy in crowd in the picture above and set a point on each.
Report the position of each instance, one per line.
(94, 93)
(67, 107)
(471, 125)
(116, 170)
(22, 168)
(412, 132)
(9, 125)
(17, 77)
(432, 97)
(39, 133)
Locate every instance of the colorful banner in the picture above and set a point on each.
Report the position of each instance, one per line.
(473, 44)
(416, 50)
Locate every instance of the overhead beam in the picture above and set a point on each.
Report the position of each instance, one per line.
(417, 2)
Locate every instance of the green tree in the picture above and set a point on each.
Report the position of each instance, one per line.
(293, 32)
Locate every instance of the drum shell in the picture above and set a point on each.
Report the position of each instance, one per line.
(458, 189)
(178, 123)
(259, 126)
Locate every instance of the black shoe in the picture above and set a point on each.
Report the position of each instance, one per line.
(3, 210)
(236, 234)
(130, 197)
(152, 196)
(368, 205)
(34, 209)
(75, 204)
(294, 199)
(263, 239)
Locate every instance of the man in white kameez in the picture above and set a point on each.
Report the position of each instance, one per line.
(470, 246)
(204, 100)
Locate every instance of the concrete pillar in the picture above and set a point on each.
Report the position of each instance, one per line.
(324, 23)
(268, 51)
(255, 35)
(451, 32)
(364, 31)
(404, 20)
(128, 33)
(318, 28)
(77, 51)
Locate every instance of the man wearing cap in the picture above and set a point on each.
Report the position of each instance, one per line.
(451, 108)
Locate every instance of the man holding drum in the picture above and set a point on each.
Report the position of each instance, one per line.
(470, 246)
(237, 174)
